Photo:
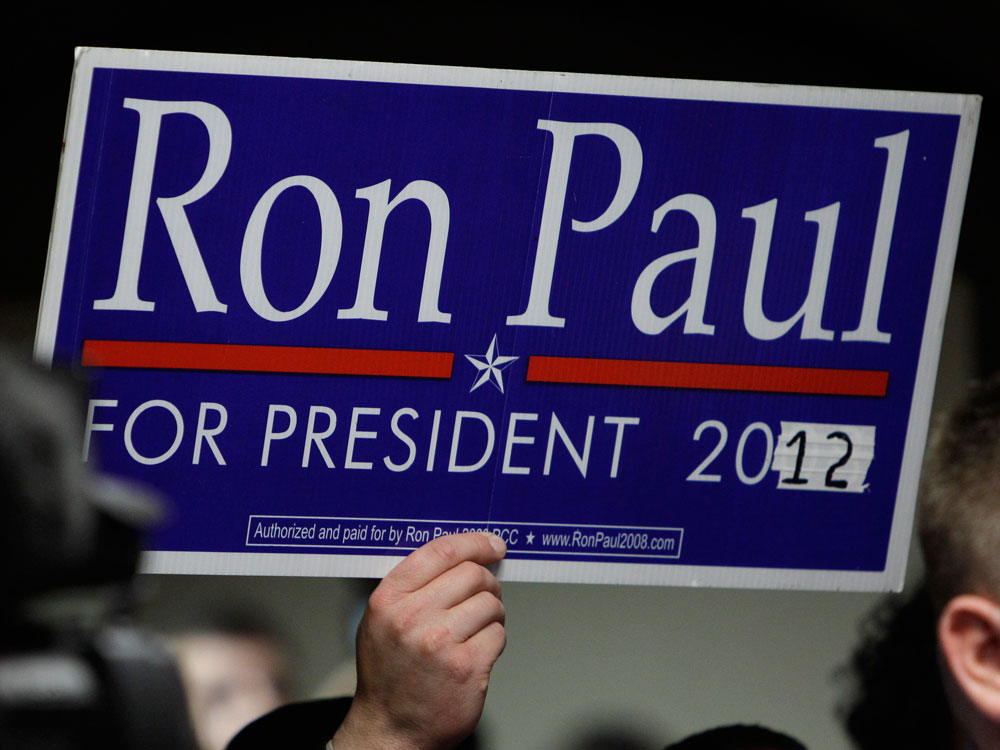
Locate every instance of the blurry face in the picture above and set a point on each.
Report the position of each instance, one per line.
(230, 681)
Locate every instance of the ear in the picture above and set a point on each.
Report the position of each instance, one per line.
(969, 635)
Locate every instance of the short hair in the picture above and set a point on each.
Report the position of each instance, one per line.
(960, 498)
(897, 698)
(738, 737)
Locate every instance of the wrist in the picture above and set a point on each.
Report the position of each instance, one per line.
(365, 729)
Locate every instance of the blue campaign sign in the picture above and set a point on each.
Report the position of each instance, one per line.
(648, 331)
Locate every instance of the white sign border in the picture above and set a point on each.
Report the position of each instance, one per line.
(965, 106)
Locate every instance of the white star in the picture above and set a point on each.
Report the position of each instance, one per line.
(489, 366)
(531, 537)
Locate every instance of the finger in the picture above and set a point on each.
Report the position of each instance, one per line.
(486, 646)
(474, 614)
(458, 584)
(426, 563)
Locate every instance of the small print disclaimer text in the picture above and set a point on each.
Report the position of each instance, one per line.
(522, 539)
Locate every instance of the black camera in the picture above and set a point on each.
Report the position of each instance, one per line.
(74, 671)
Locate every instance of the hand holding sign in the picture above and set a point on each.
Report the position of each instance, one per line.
(429, 638)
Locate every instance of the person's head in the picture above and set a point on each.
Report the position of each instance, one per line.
(960, 535)
(234, 671)
(896, 694)
(63, 524)
(738, 737)
(960, 499)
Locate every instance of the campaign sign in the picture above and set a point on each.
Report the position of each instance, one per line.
(648, 331)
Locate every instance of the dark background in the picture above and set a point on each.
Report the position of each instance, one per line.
(656, 656)
(946, 47)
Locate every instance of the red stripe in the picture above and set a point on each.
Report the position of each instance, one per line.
(169, 355)
(759, 378)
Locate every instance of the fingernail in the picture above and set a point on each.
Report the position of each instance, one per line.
(496, 542)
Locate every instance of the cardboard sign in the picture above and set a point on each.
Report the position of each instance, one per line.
(648, 331)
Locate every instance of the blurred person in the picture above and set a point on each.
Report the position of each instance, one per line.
(738, 737)
(343, 678)
(75, 671)
(927, 672)
(959, 522)
(613, 734)
(898, 697)
(234, 670)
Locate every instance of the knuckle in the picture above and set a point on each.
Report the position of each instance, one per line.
(404, 621)
(500, 611)
(376, 619)
(378, 602)
(398, 631)
(434, 640)
(490, 605)
(481, 579)
(476, 576)
(492, 584)
(462, 667)
(447, 551)
(500, 633)
(488, 579)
